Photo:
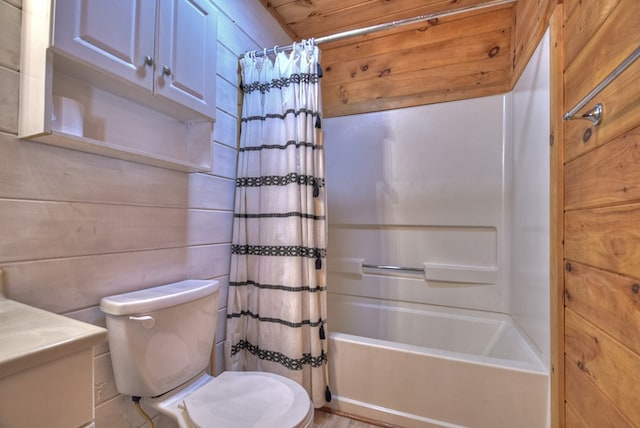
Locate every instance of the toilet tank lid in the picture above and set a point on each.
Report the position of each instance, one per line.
(163, 296)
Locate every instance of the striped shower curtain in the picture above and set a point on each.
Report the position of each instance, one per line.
(276, 313)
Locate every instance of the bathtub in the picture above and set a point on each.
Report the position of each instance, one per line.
(417, 365)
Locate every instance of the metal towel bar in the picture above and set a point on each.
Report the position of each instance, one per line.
(390, 267)
(595, 115)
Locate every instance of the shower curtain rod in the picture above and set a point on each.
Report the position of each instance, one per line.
(386, 26)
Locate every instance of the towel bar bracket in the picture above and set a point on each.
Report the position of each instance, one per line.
(594, 115)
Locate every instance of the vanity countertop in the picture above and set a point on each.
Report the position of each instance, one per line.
(30, 336)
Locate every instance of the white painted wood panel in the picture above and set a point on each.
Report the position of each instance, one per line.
(10, 18)
(42, 172)
(16, 3)
(251, 17)
(226, 129)
(219, 358)
(92, 315)
(118, 413)
(208, 227)
(9, 83)
(39, 230)
(68, 284)
(224, 161)
(226, 96)
(221, 324)
(224, 292)
(209, 261)
(74, 229)
(209, 192)
(227, 64)
(234, 38)
(104, 384)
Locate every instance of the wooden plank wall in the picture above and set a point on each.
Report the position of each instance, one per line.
(531, 19)
(556, 218)
(602, 218)
(446, 59)
(465, 56)
(75, 227)
(305, 19)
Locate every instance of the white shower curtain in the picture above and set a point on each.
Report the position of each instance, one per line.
(276, 313)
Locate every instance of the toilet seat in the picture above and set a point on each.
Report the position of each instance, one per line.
(239, 400)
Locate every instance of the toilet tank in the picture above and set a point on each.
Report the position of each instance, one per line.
(161, 337)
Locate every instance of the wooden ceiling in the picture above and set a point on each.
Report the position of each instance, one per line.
(475, 53)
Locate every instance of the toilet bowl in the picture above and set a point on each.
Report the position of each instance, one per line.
(275, 402)
(160, 340)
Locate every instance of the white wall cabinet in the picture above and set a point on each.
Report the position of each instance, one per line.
(132, 79)
(114, 36)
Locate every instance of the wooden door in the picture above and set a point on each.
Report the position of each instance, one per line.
(186, 46)
(115, 36)
(602, 218)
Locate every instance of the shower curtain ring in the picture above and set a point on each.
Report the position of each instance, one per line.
(275, 49)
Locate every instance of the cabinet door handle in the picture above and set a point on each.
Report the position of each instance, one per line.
(166, 71)
(148, 60)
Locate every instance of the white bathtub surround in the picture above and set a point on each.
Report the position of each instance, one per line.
(277, 297)
(461, 189)
(429, 191)
(529, 199)
(419, 365)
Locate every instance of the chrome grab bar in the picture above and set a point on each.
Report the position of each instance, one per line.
(595, 115)
(390, 267)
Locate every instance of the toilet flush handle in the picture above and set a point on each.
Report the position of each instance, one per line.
(147, 321)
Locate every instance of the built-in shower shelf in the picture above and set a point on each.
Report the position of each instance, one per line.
(432, 272)
(460, 274)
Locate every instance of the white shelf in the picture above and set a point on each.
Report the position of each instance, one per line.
(89, 145)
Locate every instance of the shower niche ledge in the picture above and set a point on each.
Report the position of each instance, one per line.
(73, 96)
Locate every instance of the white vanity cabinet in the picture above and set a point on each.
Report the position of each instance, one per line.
(131, 79)
(46, 368)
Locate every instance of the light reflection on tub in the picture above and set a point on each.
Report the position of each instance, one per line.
(419, 365)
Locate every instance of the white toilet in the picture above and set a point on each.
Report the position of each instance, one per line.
(161, 340)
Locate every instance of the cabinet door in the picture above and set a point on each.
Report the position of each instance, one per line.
(186, 53)
(114, 36)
